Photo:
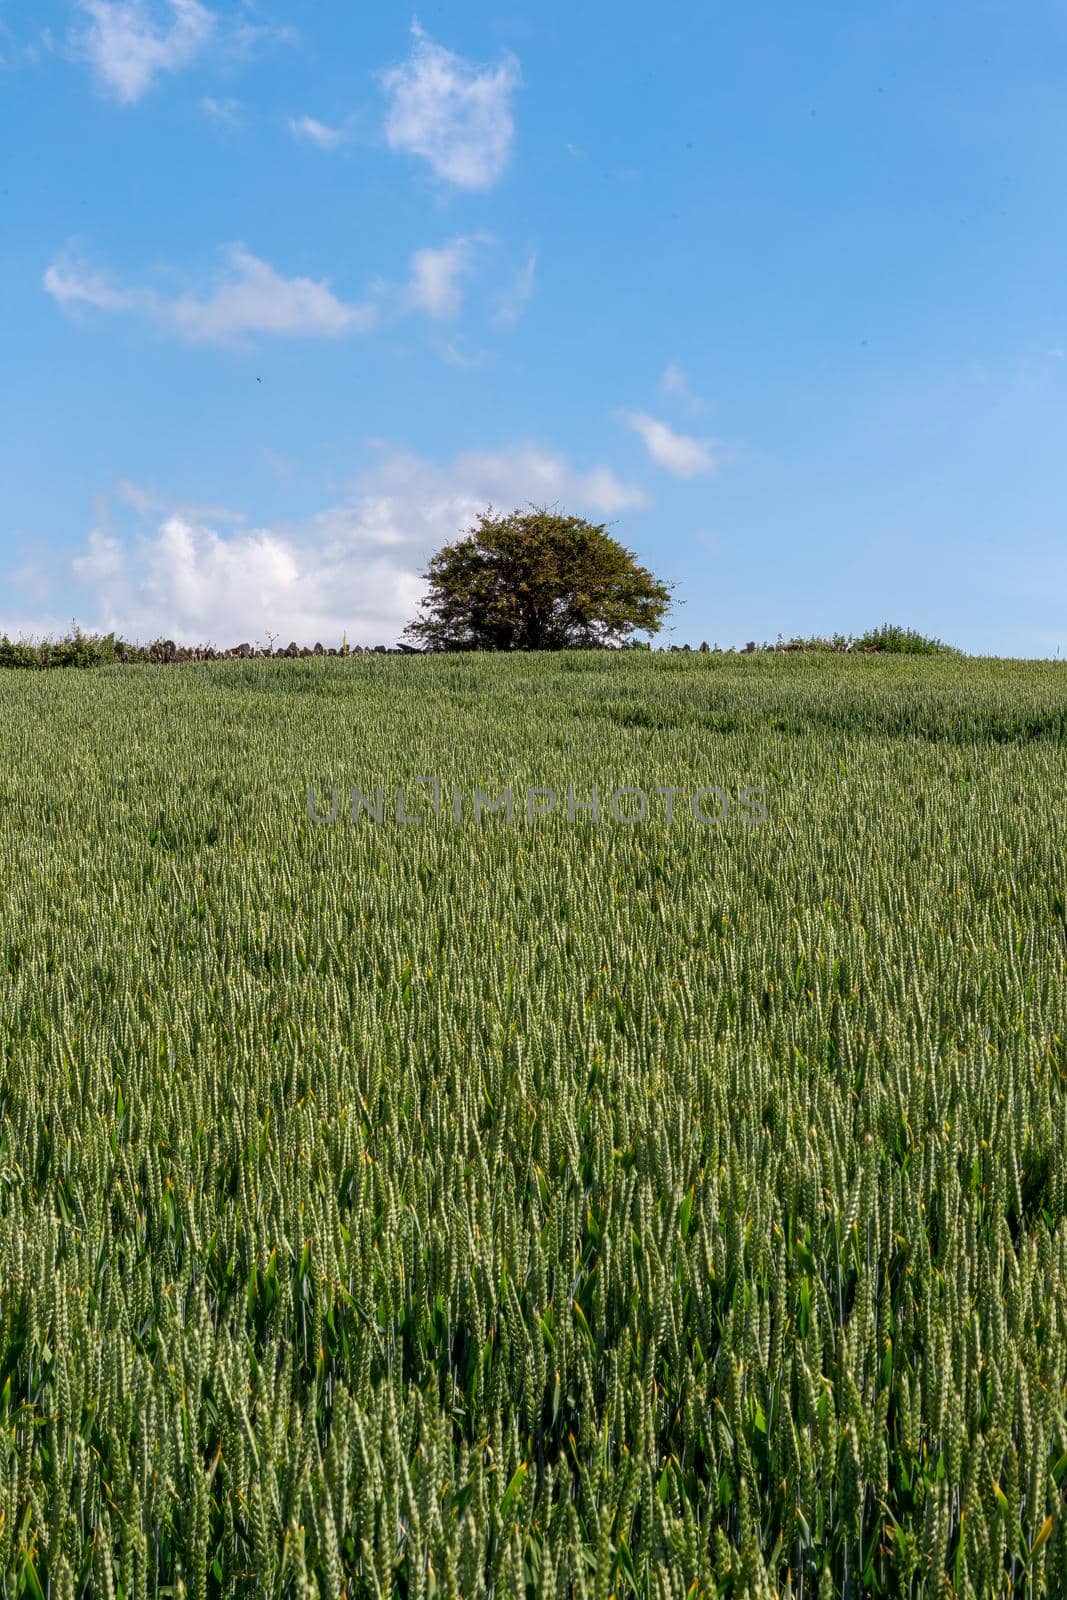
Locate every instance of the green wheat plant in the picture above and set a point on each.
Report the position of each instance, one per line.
(541, 1208)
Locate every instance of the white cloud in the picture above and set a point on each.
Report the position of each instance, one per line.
(9, 50)
(25, 49)
(131, 494)
(515, 476)
(256, 299)
(355, 567)
(458, 353)
(602, 489)
(103, 560)
(250, 298)
(31, 579)
(226, 113)
(674, 382)
(511, 302)
(146, 502)
(243, 39)
(677, 452)
(435, 282)
(128, 43)
(435, 285)
(309, 131)
(72, 284)
(455, 115)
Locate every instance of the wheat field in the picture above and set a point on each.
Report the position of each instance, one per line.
(541, 1205)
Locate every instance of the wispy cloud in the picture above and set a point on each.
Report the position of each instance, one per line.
(679, 453)
(675, 383)
(146, 502)
(249, 298)
(18, 50)
(354, 567)
(75, 284)
(455, 115)
(437, 279)
(31, 580)
(512, 301)
(310, 131)
(457, 353)
(244, 39)
(436, 283)
(224, 113)
(129, 43)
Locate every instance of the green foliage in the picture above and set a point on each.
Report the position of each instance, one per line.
(79, 649)
(831, 642)
(902, 641)
(571, 625)
(549, 1209)
(887, 639)
(76, 649)
(18, 653)
(536, 581)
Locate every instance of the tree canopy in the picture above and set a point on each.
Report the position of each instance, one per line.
(537, 580)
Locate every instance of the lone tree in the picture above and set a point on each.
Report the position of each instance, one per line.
(534, 580)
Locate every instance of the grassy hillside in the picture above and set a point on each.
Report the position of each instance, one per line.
(548, 1206)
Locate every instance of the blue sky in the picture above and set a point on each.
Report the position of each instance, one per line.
(291, 291)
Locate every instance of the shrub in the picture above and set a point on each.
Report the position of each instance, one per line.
(76, 649)
(902, 641)
(835, 641)
(17, 653)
